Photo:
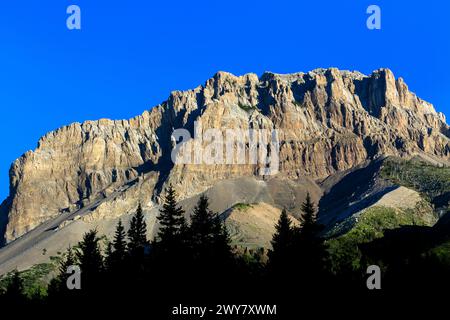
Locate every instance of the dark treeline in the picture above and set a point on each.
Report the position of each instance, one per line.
(194, 263)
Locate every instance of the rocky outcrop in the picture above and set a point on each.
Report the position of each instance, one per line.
(328, 120)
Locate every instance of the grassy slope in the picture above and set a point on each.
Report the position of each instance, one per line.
(371, 225)
(432, 182)
(35, 279)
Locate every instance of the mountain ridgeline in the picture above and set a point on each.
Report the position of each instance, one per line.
(333, 123)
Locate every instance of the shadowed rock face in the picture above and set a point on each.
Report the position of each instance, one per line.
(330, 121)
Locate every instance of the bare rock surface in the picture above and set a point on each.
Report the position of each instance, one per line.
(330, 121)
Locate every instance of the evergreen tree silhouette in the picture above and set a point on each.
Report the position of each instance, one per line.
(309, 246)
(310, 228)
(137, 234)
(202, 229)
(90, 260)
(282, 242)
(120, 244)
(14, 294)
(209, 239)
(66, 262)
(172, 230)
(117, 264)
(137, 241)
(210, 255)
(170, 249)
(57, 289)
(119, 247)
(221, 240)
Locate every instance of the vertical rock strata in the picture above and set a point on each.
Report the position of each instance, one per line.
(329, 120)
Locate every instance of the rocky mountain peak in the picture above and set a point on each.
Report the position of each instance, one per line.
(329, 120)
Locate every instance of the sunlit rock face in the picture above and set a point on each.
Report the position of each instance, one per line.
(328, 121)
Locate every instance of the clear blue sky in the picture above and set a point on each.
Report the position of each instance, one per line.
(130, 54)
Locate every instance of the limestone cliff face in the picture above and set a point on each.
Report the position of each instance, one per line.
(329, 120)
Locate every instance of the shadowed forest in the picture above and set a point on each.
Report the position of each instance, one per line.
(194, 263)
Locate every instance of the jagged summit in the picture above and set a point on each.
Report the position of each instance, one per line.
(294, 76)
(331, 121)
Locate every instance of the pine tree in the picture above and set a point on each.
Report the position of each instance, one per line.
(117, 250)
(90, 260)
(209, 248)
(209, 238)
(120, 244)
(282, 242)
(57, 289)
(221, 241)
(68, 260)
(137, 236)
(309, 245)
(310, 228)
(15, 289)
(170, 249)
(172, 223)
(202, 226)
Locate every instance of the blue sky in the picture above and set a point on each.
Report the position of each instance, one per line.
(129, 55)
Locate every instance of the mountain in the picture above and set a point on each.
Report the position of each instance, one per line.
(335, 127)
